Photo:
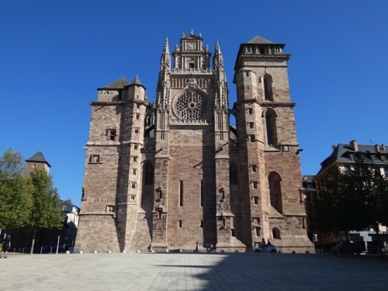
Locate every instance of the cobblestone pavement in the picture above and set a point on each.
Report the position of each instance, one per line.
(189, 271)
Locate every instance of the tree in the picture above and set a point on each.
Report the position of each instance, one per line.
(15, 191)
(352, 200)
(330, 203)
(380, 200)
(45, 212)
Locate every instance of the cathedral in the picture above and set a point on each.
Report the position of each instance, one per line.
(175, 172)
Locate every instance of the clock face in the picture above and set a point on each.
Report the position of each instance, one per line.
(190, 45)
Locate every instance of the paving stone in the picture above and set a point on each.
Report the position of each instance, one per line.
(161, 271)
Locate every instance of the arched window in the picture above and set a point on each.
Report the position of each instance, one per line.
(233, 174)
(275, 191)
(276, 233)
(270, 122)
(148, 171)
(267, 87)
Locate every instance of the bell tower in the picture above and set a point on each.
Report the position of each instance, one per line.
(271, 178)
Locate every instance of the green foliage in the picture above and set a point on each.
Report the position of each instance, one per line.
(354, 200)
(11, 165)
(15, 191)
(327, 200)
(45, 212)
(15, 202)
(27, 201)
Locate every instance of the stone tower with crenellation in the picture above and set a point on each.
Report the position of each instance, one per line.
(266, 155)
(174, 172)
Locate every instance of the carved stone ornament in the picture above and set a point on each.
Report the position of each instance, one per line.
(191, 105)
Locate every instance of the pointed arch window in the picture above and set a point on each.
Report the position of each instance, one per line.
(270, 121)
(148, 174)
(275, 191)
(267, 87)
(233, 174)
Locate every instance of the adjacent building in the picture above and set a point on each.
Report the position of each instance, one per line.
(173, 172)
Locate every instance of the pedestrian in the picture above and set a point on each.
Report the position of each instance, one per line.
(6, 246)
(197, 247)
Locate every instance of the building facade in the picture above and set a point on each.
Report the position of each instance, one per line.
(173, 173)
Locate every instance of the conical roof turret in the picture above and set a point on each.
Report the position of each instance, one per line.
(136, 81)
(38, 158)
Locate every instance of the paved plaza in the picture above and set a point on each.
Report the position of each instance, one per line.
(190, 271)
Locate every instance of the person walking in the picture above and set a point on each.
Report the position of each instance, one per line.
(196, 247)
(6, 246)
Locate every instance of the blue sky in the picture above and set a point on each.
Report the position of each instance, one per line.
(55, 54)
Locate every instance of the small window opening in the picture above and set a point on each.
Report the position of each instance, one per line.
(111, 134)
(256, 200)
(94, 159)
(180, 223)
(276, 233)
(181, 193)
(201, 195)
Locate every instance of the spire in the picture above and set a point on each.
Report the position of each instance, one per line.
(136, 81)
(165, 58)
(218, 60)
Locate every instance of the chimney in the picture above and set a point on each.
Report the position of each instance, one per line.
(333, 147)
(377, 148)
(354, 145)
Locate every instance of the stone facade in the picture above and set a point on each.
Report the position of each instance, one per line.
(175, 172)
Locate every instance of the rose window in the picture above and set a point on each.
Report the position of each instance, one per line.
(191, 105)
